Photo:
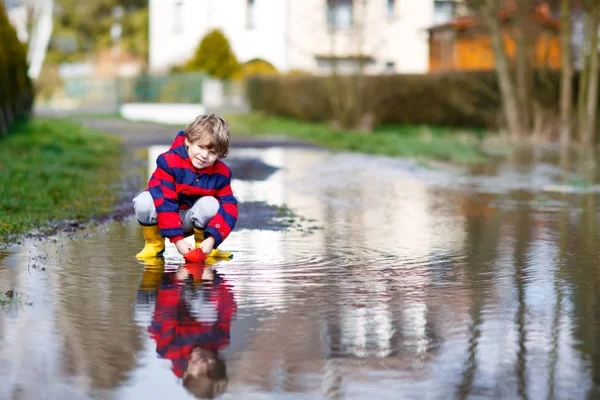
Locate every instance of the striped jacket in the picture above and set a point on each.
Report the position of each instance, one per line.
(176, 184)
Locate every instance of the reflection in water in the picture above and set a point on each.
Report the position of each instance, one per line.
(191, 321)
(414, 283)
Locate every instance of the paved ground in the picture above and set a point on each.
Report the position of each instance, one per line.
(142, 134)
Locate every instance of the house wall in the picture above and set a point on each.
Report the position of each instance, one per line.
(292, 34)
(400, 39)
(174, 35)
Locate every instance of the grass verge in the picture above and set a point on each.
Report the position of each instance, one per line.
(52, 170)
(417, 142)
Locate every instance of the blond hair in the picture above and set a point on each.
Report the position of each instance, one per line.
(212, 131)
(211, 385)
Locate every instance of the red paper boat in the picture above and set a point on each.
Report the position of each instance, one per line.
(195, 256)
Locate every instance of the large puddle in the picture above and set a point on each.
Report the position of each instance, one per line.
(393, 281)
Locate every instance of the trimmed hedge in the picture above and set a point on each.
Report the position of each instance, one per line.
(457, 99)
(16, 89)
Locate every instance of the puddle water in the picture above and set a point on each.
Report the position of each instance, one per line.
(394, 281)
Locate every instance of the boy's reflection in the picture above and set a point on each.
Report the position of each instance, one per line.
(191, 324)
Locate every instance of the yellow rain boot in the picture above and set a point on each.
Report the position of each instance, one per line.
(155, 243)
(153, 273)
(216, 253)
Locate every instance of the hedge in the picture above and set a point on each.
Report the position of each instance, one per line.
(457, 99)
(16, 89)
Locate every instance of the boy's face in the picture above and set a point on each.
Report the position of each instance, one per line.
(200, 154)
(199, 363)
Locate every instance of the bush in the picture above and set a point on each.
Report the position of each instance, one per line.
(214, 56)
(457, 99)
(48, 83)
(16, 90)
(258, 67)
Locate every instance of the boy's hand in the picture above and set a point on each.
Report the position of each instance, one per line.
(183, 247)
(208, 245)
(208, 274)
(182, 273)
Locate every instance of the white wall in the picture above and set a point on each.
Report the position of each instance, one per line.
(408, 40)
(168, 46)
(289, 33)
(266, 40)
(401, 39)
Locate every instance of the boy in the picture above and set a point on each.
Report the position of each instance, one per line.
(190, 192)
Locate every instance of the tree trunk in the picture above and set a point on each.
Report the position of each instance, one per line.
(333, 84)
(589, 136)
(566, 86)
(524, 80)
(509, 98)
(584, 75)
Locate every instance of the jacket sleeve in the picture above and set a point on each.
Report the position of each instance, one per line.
(162, 189)
(221, 225)
(162, 328)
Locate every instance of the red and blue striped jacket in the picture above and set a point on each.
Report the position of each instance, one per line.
(176, 185)
(176, 332)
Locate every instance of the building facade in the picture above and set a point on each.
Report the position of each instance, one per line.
(311, 35)
(464, 42)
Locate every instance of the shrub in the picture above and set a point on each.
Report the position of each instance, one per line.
(258, 67)
(457, 99)
(214, 56)
(48, 83)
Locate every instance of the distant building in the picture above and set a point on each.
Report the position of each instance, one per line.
(310, 35)
(463, 43)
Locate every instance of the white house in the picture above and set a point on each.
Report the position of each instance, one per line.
(383, 35)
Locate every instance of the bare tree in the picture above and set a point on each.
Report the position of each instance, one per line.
(523, 32)
(566, 86)
(588, 133)
(489, 11)
(346, 92)
(583, 78)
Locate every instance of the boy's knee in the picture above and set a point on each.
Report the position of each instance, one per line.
(204, 209)
(143, 206)
(208, 205)
(143, 201)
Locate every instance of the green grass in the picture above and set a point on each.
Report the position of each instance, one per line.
(416, 142)
(52, 170)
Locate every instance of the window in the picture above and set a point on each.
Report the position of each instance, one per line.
(444, 11)
(343, 65)
(339, 14)
(250, 14)
(391, 6)
(390, 67)
(178, 17)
